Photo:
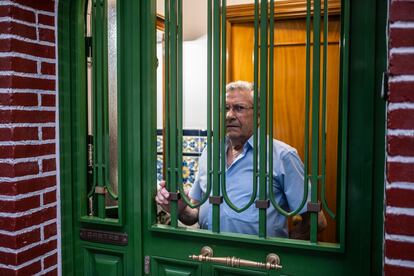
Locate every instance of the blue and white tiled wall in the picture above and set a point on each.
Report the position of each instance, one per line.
(194, 141)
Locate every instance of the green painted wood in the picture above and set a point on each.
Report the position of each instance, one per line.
(72, 100)
(139, 63)
(104, 265)
(227, 271)
(364, 89)
(78, 116)
(174, 272)
(64, 69)
(343, 124)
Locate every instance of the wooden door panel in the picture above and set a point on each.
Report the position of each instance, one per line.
(102, 263)
(290, 89)
(240, 49)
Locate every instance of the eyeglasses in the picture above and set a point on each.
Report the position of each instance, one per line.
(239, 109)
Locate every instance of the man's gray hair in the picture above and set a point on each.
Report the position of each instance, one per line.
(239, 85)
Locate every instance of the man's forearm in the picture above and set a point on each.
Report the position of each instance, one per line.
(189, 216)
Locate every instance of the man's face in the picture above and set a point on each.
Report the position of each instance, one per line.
(239, 115)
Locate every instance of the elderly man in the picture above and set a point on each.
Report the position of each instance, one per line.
(287, 178)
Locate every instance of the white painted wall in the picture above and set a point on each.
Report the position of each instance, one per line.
(194, 17)
(194, 84)
(194, 63)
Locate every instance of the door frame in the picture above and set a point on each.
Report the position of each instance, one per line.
(366, 117)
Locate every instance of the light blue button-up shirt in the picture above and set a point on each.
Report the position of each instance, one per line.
(288, 188)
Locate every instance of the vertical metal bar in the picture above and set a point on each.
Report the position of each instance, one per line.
(307, 97)
(167, 93)
(271, 87)
(179, 93)
(91, 196)
(256, 91)
(209, 48)
(271, 92)
(94, 119)
(105, 96)
(98, 102)
(324, 115)
(324, 122)
(307, 94)
(173, 109)
(223, 98)
(209, 90)
(263, 118)
(315, 114)
(254, 183)
(216, 114)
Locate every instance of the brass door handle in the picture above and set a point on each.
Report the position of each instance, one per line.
(206, 255)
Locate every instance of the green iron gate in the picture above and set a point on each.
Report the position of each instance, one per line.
(108, 143)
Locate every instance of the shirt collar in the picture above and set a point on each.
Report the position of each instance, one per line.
(249, 143)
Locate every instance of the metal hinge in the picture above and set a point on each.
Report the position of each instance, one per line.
(314, 207)
(384, 88)
(88, 46)
(147, 265)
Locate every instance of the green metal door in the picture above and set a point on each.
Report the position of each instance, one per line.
(111, 230)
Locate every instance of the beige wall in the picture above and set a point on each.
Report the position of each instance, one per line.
(195, 16)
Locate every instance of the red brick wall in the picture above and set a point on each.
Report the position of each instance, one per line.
(399, 218)
(28, 207)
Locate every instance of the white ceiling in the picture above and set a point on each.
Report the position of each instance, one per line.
(195, 16)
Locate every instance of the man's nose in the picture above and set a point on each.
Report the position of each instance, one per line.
(230, 113)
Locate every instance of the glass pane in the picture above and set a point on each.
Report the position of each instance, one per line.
(290, 81)
(112, 101)
(102, 109)
(194, 94)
